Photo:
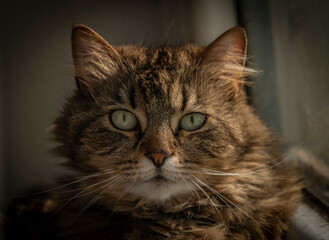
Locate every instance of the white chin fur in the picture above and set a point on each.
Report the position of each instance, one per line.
(158, 192)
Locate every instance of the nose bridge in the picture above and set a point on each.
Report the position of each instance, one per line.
(157, 145)
(158, 140)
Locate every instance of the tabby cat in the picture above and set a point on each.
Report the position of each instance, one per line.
(166, 147)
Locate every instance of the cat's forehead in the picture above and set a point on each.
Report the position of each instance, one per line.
(159, 75)
(163, 57)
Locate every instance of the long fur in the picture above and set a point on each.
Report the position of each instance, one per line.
(223, 181)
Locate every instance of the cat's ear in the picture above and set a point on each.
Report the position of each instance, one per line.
(94, 59)
(227, 56)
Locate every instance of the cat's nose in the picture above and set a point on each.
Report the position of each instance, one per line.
(158, 159)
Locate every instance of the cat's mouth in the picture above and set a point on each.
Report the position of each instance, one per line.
(159, 179)
(157, 188)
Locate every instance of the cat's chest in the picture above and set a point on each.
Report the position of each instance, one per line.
(145, 225)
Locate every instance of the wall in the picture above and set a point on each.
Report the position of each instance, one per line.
(2, 165)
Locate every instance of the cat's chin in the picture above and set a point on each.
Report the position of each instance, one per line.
(157, 189)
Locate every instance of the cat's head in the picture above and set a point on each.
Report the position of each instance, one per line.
(146, 121)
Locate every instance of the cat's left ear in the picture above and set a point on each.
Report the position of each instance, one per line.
(94, 59)
(227, 56)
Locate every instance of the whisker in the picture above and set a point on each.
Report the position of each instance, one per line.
(277, 164)
(87, 187)
(204, 192)
(108, 187)
(116, 202)
(284, 156)
(67, 202)
(94, 174)
(251, 172)
(191, 189)
(222, 197)
(219, 173)
(194, 191)
(71, 183)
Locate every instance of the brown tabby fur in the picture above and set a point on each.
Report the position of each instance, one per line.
(229, 166)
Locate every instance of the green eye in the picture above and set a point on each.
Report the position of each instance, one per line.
(123, 120)
(192, 121)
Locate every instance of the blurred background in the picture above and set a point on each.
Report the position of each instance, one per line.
(288, 42)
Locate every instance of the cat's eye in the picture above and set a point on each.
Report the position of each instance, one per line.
(192, 121)
(123, 120)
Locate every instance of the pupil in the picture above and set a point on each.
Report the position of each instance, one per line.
(192, 119)
(124, 117)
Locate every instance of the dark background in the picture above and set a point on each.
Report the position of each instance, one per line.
(288, 42)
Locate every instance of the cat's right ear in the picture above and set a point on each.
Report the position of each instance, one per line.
(94, 59)
(226, 56)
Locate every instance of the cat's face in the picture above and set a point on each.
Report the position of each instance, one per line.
(148, 121)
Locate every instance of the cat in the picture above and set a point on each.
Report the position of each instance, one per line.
(167, 148)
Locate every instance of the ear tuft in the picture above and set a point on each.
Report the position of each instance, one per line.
(227, 56)
(94, 59)
(232, 43)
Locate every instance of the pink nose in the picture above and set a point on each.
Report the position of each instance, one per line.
(158, 159)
